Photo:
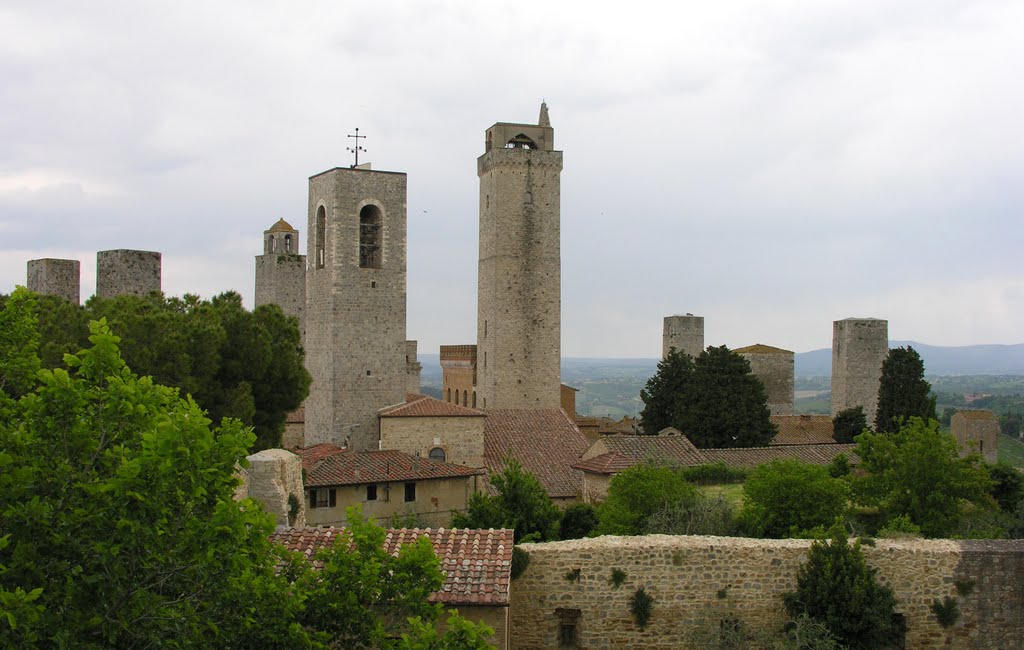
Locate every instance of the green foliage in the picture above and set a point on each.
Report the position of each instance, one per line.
(662, 392)
(849, 423)
(918, 472)
(947, 611)
(903, 392)
(714, 400)
(839, 467)
(1007, 485)
(706, 515)
(521, 503)
(787, 497)
(639, 492)
(520, 561)
(714, 474)
(964, 587)
(618, 577)
(460, 634)
(837, 588)
(641, 605)
(403, 520)
(804, 633)
(578, 521)
(19, 343)
(899, 527)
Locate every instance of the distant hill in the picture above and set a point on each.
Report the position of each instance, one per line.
(964, 360)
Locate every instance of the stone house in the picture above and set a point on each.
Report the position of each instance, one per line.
(385, 483)
(977, 432)
(476, 565)
(434, 429)
(802, 430)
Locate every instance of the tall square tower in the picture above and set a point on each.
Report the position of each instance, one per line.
(281, 272)
(519, 276)
(859, 346)
(355, 303)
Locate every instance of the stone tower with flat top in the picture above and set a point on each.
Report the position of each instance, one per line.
(519, 276)
(355, 303)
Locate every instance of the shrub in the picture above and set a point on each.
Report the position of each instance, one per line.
(578, 521)
(520, 560)
(637, 493)
(849, 423)
(714, 473)
(837, 588)
(947, 611)
(839, 467)
(617, 578)
(641, 604)
(786, 497)
(704, 516)
(900, 527)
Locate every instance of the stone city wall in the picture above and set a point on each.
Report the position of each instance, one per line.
(569, 584)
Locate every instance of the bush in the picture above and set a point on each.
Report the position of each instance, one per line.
(849, 423)
(641, 604)
(637, 493)
(714, 473)
(704, 516)
(900, 527)
(837, 587)
(787, 497)
(578, 521)
(520, 560)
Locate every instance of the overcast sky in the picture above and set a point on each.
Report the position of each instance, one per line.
(771, 166)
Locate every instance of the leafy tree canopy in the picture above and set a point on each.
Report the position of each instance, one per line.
(849, 423)
(714, 400)
(637, 493)
(233, 362)
(903, 392)
(837, 587)
(788, 498)
(918, 472)
(578, 521)
(520, 502)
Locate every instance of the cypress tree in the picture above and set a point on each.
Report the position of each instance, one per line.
(903, 392)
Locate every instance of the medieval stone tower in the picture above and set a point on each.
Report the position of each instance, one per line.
(281, 272)
(684, 333)
(127, 272)
(355, 303)
(519, 276)
(55, 277)
(775, 368)
(859, 346)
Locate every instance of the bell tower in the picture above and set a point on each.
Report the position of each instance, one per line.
(519, 275)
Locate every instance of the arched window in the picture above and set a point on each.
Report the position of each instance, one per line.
(271, 241)
(288, 243)
(321, 234)
(474, 399)
(369, 237)
(528, 198)
(437, 454)
(449, 394)
(465, 398)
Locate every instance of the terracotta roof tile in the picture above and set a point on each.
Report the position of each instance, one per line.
(609, 463)
(350, 467)
(761, 348)
(802, 429)
(754, 456)
(476, 564)
(312, 455)
(545, 441)
(977, 414)
(675, 449)
(421, 406)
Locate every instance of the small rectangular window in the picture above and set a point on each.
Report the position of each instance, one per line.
(410, 491)
(332, 498)
(312, 497)
(371, 492)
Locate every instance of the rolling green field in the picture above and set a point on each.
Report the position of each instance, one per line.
(731, 492)
(1011, 451)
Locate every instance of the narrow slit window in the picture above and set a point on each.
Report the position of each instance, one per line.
(321, 234)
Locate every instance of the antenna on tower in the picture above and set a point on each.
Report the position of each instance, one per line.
(355, 148)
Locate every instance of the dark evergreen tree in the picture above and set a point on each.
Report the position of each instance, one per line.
(903, 392)
(662, 393)
(849, 423)
(725, 405)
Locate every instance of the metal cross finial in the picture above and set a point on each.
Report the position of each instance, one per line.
(355, 148)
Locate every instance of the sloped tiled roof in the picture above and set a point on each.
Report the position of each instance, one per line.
(675, 449)
(976, 414)
(476, 564)
(350, 467)
(545, 441)
(802, 429)
(754, 456)
(280, 226)
(312, 455)
(422, 406)
(761, 348)
(609, 463)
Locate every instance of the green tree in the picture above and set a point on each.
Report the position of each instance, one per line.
(639, 492)
(726, 405)
(519, 502)
(1007, 485)
(903, 392)
(663, 391)
(578, 521)
(918, 472)
(120, 486)
(837, 587)
(849, 423)
(714, 400)
(788, 498)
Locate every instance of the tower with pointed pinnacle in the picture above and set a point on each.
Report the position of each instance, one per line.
(519, 276)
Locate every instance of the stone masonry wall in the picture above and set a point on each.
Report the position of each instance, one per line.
(273, 476)
(684, 333)
(126, 272)
(281, 281)
(775, 370)
(859, 346)
(462, 438)
(686, 575)
(53, 277)
(976, 432)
